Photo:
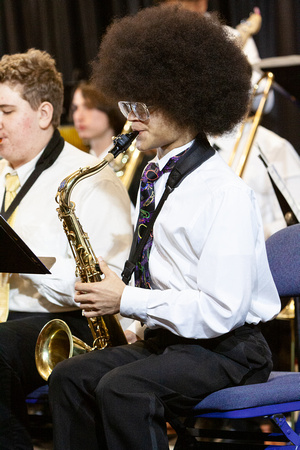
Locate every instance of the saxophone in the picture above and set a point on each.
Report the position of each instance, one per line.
(55, 341)
(125, 164)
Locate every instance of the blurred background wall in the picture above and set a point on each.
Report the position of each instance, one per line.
(71, 30)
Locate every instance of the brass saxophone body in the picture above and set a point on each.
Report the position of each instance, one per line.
(106, 330)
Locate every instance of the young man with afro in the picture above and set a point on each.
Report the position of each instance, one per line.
(207, 286)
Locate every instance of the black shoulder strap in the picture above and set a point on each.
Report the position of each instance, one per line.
(199, 152)
(49, 155)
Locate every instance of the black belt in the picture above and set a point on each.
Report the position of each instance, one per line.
(164, 338)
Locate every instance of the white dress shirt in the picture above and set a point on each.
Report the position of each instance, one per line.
(208, 261)
(281, 155)
(103, 208)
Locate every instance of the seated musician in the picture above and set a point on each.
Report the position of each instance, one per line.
(31, 98)
(202, 280)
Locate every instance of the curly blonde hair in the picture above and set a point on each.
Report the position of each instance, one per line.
(35, 71)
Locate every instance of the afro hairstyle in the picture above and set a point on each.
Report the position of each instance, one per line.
(185, 64)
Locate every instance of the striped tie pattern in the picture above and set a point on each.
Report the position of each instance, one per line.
(147, 206)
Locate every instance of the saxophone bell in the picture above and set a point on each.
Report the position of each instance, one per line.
(54, 344)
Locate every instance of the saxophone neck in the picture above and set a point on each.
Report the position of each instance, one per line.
(67, 185)
(121, 144)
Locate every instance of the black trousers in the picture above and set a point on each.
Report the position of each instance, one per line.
(18, 373)
(120, 398)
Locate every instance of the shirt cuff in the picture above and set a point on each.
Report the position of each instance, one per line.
(134, 303)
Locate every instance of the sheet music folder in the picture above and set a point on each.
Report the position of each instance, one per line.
(15, 255)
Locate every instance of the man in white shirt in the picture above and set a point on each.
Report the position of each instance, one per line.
(204, 285)
(31, 97)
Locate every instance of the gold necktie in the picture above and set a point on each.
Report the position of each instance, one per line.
(12, 184)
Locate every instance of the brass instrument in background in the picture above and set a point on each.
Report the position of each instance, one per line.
(250, 26)
(255, 120)
(55, 341)
(126, 163)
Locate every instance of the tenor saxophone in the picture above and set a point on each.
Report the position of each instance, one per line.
(55, 341)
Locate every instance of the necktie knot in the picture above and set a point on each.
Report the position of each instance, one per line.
(12, 183)
(151, 173)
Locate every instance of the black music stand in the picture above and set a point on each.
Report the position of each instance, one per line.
(15, 255)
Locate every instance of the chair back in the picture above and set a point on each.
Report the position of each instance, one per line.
(283, 250)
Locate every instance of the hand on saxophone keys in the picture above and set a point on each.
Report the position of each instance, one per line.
(100, 298)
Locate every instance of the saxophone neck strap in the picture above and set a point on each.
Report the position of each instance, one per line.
(199, 152)
(47, 158)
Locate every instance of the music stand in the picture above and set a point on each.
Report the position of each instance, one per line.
(284, 117)
(286, 70)
(15, 255)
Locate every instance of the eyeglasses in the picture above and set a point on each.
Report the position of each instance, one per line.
(140, 110)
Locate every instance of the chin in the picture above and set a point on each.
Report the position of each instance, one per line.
(142, 146)
(139, 144)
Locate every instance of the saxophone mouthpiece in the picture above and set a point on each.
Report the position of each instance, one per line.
(122, 142)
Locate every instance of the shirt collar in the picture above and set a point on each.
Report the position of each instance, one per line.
(163, 161)
(25, 170)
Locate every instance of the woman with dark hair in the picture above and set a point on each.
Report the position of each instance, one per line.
(96, 119)
(202, 282)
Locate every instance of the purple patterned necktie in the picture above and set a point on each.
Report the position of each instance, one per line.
(147, 207)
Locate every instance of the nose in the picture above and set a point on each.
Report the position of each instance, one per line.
(78, 113)
(132, 117)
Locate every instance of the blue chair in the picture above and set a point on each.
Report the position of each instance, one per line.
(271, 400)
(39, 417)
(283, 250)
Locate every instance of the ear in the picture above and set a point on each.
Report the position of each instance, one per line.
(45, 114)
